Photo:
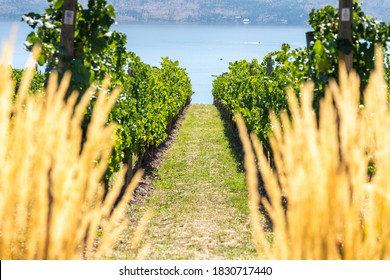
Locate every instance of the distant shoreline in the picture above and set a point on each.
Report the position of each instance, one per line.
(202, 12)
(119, 20)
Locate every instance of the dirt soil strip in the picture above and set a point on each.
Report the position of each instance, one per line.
(199, 199)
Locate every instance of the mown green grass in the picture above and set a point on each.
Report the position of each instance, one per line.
(200, 201)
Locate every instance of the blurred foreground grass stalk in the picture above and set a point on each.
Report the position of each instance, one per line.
(335, 209)
(51, 196)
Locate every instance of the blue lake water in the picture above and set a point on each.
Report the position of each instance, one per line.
(204, 50)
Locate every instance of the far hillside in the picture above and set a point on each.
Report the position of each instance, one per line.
(292, 12)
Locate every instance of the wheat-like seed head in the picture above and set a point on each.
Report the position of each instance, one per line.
(51, 204)
(334, 210)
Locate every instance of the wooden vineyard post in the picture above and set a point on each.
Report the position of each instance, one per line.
(67, 30)
(309, 43)
(129, 173)
(309, 39)
(345, 33)
(270, 68)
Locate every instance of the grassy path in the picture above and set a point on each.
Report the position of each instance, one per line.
(200, 199)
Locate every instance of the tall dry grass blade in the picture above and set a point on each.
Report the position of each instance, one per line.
(114, 224)
(140, 230)
(259, 238)
(50, 190)
(144, 251)
(335, 209)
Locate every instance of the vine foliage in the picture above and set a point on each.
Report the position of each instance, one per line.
(248, 89)
(151, 97)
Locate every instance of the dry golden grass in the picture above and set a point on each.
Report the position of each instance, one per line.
(51, 203)
(335, 210)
